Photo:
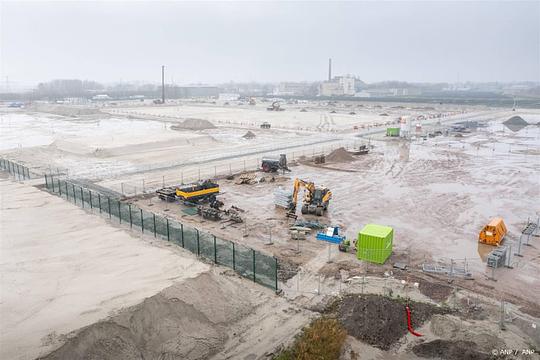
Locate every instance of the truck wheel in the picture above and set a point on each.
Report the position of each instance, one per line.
(319, 211)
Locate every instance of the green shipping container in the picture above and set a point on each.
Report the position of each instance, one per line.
(375, 243)
(393, 131)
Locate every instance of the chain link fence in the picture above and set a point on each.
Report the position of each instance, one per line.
(252, 264)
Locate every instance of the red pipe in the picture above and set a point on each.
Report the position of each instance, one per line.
(411, 330)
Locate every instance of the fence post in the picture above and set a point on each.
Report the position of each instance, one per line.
(233, 258)
(142, 221)
(130, 221)
(215, 250)
(67, 192)
(59, 188)
(119, 212)
(154, 219)
(28, 172)
(74, 196)
(52, 182)
(168, 234)
(198, 244)
(46, 181)
(90, 194)
(99, 202)
(109, 206)
(82, 197)
(276, 271)
(253, 252)
(182, 233)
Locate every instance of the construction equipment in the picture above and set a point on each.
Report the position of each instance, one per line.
(316, 198)
(266, 125)
(273, 165)
(331, 235)
(275, 107)
(493, 233)
(198, 192)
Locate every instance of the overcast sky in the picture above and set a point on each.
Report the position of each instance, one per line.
(270, 41)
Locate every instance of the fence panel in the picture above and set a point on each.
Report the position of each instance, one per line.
(243, 258)
(175, 233)
(115, 209)
(265, 270)
(86, 198)
(136, 219)
(95, 199)
(124, 213)
(148, 222)
(190, 239)
(161, 227)
(206, 245)
(224, 250)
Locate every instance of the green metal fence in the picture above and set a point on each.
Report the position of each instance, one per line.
(19, 171)
(252, 264)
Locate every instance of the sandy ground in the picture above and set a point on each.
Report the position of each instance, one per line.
(436, 193)
(63, 268)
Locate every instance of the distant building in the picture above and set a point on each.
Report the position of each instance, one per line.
(101, 97)
(293, 89)
(228, 97)
(192, 91)
(338, 86)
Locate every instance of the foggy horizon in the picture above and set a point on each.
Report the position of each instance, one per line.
(269, 42)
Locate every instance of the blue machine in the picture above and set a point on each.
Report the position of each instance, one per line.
(331, 235)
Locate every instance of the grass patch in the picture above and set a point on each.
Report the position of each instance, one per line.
(321, 340)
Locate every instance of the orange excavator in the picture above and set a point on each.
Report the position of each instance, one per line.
(316, 198)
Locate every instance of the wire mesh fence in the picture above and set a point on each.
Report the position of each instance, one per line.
(20, 172)
(252, 264)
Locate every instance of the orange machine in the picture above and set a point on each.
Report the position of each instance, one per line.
(493, 233)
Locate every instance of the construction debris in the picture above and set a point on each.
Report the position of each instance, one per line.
(497, 258)
(247, 178)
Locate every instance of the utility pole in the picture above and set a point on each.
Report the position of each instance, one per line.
(163, 84)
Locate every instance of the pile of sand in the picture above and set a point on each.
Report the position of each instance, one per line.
(189, 320)
(193, 124)
(340, 155)
(516, 120)
(249, 135)
(515, 123)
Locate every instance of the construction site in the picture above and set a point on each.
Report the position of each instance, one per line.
(219, 230)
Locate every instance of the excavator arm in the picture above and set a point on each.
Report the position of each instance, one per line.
(327, 197)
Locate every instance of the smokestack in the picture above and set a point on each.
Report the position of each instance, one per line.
(329, 69)
(163, 84)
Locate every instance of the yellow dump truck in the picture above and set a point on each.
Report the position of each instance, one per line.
(493, 233)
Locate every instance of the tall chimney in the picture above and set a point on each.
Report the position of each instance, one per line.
(163, 84)
(330, 69)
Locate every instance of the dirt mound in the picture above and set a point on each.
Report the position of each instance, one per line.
(516, 120)
(381, 321)
(193, 124)
(249, 135)
(446, 349)
(185, 321)
(340, 155)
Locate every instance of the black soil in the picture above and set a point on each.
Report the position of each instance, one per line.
(381, 321)
(450, 350)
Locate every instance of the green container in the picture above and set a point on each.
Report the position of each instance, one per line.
(393, 131)
(375, 243)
